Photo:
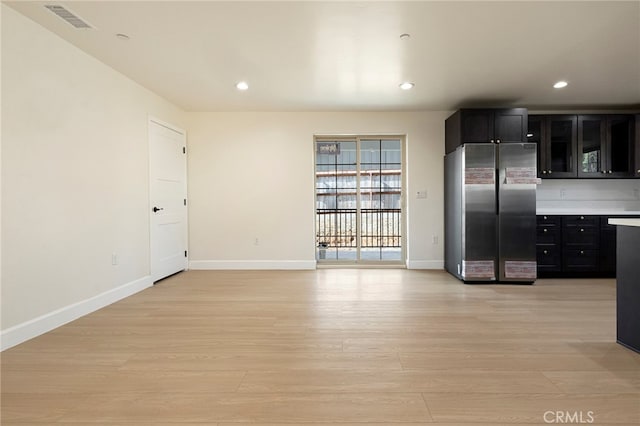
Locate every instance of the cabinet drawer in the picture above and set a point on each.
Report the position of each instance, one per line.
(582, 221)
(548, 235)
(549, 258)
(547, 220)
(581, 260)
(581, 237)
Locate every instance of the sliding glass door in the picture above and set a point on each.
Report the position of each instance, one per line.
(359, 188)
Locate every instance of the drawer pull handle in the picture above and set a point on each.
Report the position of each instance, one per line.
(581, 251)
(581, 217)
(545, 218)
(545, 230)
(581, 230)
(545, 252)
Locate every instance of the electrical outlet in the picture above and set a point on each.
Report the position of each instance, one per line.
(114, 259)
(434, 239)
(256, 242)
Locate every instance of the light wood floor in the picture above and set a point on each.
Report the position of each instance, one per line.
(339, 347)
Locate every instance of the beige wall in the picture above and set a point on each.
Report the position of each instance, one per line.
(74, 173)
(251, 176)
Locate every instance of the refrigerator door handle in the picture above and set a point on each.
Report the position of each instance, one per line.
(497, 195)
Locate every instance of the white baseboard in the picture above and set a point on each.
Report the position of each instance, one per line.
(425, 264)
(47, 322)
(251, 264)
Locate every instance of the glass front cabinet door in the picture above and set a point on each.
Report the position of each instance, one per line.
(620, 146)
(591, 145)
(605, 146)
(561, 138)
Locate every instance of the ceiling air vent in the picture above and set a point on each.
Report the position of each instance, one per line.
(67, 16)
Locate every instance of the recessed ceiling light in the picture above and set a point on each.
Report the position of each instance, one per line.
(242, 85)
(122, 36)
(406, 85)
(405, 36)
(560, 85)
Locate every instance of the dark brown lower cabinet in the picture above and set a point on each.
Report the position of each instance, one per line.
(576, 246)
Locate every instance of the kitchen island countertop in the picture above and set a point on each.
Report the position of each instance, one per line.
(567, 212)
(625, 222)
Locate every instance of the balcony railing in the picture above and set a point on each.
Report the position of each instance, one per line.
(378, 228)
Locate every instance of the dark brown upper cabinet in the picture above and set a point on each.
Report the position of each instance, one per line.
(472, 125)
(606, 146)
(556, 137)
(586, 146)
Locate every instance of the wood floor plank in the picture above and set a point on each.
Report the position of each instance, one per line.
(271, 407)
(452, 344)
(617, 359)
(25, 358)
(618, 381)
(317, 381)
(43, 408)
(257, 361)
(519, 408)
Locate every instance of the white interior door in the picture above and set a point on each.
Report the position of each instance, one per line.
(168, 195)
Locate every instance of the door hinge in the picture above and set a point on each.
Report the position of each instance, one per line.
(184, 149)
(185, 201)
(185, 253)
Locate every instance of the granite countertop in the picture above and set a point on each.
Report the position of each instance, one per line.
(625, 222)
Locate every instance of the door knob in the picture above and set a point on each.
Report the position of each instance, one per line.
(156, 209)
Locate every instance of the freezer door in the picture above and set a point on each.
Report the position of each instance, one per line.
(517, 212)
(479, 227)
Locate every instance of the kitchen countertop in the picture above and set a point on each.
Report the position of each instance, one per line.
(625, 222)
(566, 212)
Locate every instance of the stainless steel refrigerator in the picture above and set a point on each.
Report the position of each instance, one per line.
(490, 212)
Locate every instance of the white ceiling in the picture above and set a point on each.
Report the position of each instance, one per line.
(318, 55)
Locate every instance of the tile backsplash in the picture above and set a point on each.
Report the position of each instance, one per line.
(589, 194)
